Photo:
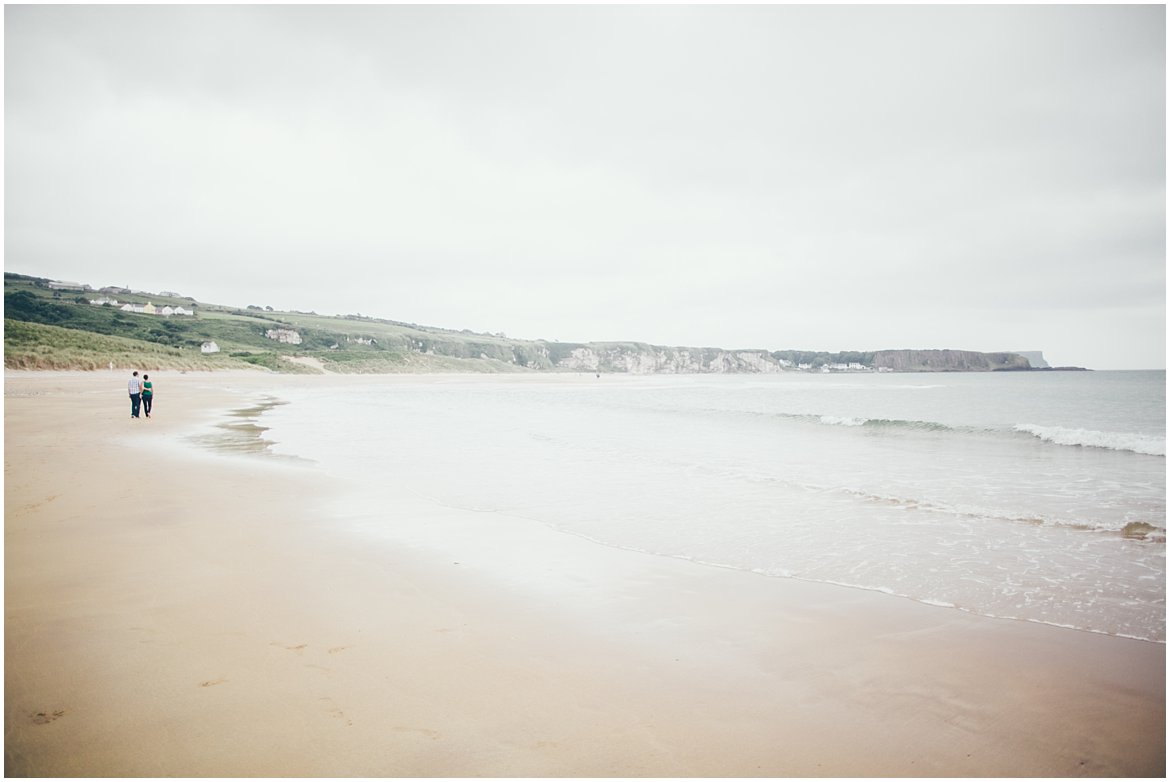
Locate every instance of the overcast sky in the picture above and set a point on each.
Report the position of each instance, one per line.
(777, 177)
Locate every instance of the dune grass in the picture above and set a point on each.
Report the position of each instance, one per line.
(41, 346)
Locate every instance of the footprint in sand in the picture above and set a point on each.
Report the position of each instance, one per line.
(430, 734)
(337, 713)
(212, 682)
(298, 648)
(44, 718)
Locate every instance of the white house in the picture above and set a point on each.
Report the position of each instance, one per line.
(287, 336)
(209, 347)
(147, 309)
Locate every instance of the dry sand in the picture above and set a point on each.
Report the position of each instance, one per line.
(173, 611)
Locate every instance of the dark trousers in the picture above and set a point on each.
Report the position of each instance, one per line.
(146, 400)
(134, 401)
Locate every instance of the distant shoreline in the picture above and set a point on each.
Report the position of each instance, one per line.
(56, 325)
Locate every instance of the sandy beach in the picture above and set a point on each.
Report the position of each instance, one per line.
(177, 609)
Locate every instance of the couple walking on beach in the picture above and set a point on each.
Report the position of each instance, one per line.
(141, 393)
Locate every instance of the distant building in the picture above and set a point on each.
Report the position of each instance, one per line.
(288, 336)
(103, 300)
(57, 285)
(146, 309)
(209, 347)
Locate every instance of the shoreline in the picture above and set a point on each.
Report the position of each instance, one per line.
(207, 616)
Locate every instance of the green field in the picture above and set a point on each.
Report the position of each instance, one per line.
(60, 329)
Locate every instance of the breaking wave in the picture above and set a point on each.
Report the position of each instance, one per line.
(1150, 445)
(1088, 438)
(872, 423)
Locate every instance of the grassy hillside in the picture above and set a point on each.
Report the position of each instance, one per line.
(39, 346)
(60, 329)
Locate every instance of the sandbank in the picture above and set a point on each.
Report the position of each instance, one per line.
(178, 608)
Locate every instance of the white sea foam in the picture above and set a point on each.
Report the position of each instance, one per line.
(1116, 441)
(834, 420)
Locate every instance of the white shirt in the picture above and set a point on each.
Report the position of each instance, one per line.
(133, 385)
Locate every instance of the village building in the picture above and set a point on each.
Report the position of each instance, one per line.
(146, 309)
(287, 336)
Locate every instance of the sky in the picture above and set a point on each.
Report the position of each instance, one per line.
(767, 176)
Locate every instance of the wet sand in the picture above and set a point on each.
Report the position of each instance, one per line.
(190, 607)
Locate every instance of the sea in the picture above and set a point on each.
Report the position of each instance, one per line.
(1033, 496)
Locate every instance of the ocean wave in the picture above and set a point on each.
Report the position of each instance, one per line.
(1134, 530)
(833, 420)
(1150, 445)
(1089, 438)
(873, 423)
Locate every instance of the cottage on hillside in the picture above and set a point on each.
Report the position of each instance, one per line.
(288, 336)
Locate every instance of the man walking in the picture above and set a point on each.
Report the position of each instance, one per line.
(135, 389)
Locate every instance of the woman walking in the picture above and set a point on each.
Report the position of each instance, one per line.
(147, 394)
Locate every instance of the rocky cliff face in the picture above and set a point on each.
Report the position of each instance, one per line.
(1035, 358)
(636, 358)
(948, 361)
(650, 359)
